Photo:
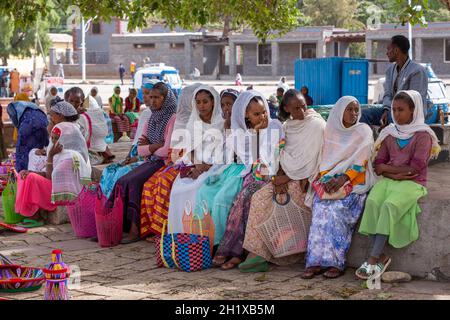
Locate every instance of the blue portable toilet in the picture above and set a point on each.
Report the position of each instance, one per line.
(328, 79)
(355, 79)
(322, 77)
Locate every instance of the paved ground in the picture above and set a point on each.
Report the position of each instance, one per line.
(130, 272)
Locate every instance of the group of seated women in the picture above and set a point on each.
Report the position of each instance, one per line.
(222, 153)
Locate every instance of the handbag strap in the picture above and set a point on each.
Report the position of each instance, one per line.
(161, 247)
(288, 199)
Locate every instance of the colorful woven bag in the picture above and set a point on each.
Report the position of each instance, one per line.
(187, 252)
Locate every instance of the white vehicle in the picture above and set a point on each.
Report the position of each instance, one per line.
(157, 71)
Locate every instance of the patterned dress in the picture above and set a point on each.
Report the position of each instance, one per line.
(233, 239)
(330, 235)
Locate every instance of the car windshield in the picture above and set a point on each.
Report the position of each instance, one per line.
(436, 90)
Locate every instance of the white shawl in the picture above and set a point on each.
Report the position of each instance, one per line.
(300, 157)
(99, 126)
(347, 147)
(408, 130)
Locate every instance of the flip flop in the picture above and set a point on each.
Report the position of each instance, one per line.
(252, 263)
(30, 223)
(13, 227)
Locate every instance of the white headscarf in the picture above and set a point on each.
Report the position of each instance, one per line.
(179, 136)
(206, 139)
(49, 97)
(97, 97)
(185, 105)
(408, 130)
(345, 148)
(300, 157)
(99, 126)
(64, 182)
(242, 141)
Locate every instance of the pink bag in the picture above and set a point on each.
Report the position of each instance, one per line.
(109, 221)
(82, 212)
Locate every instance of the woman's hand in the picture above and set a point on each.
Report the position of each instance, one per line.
(335, 184)
(56, 148)
(304, 184)
(40, 152)
(194, 173)
(23, 174)
(202, 167)
(263, 124)
(153, 147)
(143, 141)
(129, 160)
(401, 176)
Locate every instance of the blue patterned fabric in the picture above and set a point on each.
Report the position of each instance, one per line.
(112, 173)
(330, 235)
(32, 133)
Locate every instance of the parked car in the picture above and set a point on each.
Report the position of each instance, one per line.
(437, 98)
(158, 71)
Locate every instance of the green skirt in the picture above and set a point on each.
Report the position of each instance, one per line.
(132, 116)
(391, 209)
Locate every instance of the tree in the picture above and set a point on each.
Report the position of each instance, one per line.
(267, 18)
(18, 41)
(338, 13)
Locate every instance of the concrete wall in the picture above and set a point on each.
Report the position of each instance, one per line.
(123, 51)
(98, 42)
(250, 67)
(289, 53)
(433, 52)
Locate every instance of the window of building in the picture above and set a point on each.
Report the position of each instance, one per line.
(96, 28)
(264, 55)
(144, 45)
(308, 50)
(177, 46)
(447, 50)
(336, 49)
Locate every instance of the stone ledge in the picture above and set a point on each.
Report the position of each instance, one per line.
(57, 217)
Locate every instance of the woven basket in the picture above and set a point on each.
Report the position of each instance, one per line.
(15, 278)
(82, 213)
(285, 232)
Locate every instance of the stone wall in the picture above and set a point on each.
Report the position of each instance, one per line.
(250, 67)
(289, 53)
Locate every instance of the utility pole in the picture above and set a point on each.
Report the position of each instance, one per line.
(84, 29)
(410, 35)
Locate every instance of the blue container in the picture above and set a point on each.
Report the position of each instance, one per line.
(355, 79)
(322, 77)
(328, 79)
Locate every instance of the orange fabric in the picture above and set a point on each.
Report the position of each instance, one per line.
(155, 201)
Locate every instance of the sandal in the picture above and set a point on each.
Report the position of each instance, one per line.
(30, 223)
(364, 271)
(252, 263)
(333, 273)
(231, 264)
(311, 272)
(218, 261)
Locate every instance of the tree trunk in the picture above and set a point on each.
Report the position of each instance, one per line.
(447, 3)
(226, 27)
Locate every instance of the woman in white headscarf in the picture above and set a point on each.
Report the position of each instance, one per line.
(346, 175)
(299, 164)
(404, 149)
(256, 139)
(67, 168)
(202, 149)
(220, 189)
(156, 193)
(52, 94)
